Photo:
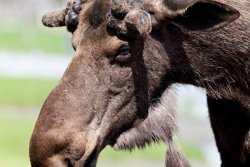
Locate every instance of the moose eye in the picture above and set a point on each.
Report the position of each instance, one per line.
(123, 50)
(123, 54)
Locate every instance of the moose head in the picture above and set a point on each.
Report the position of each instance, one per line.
(107, 96)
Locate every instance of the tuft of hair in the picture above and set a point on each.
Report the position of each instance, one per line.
(175, 157)
(159, 126)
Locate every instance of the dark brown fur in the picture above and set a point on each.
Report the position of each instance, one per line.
(218, 61)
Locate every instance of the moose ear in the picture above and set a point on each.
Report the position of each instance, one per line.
(204, 15)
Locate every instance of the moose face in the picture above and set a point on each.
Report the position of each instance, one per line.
(106, 91)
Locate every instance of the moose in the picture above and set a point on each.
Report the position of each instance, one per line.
(128, 54)
(101, 99)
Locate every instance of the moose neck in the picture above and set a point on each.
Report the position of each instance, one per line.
(192, 62)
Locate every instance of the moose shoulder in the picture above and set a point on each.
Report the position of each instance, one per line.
(204, 43)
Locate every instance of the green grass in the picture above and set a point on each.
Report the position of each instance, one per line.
(24, 92)
(19, 37)
(154, 152)
(192, 151)
(14, 140)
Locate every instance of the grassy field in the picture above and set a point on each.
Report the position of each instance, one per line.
(25, 38)
(24, 92)
(14, 139)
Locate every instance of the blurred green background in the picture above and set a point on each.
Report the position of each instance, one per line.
(32, 59)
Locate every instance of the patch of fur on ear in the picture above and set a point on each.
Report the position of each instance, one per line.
(159, 126)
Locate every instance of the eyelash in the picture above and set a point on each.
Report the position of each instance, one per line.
(122, 55)
(123, 50)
